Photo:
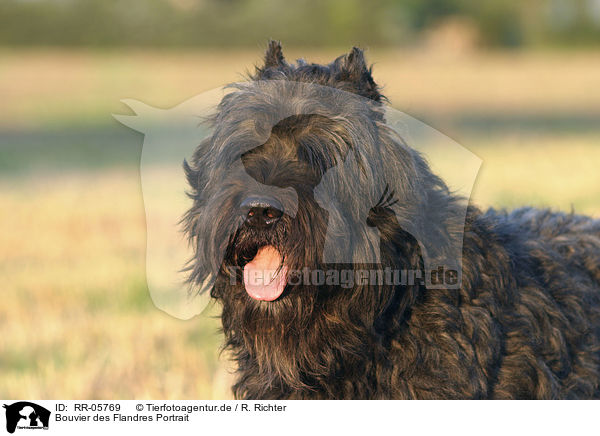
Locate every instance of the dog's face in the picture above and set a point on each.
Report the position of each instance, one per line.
(256, 181)
(266, 181)
(271, 241)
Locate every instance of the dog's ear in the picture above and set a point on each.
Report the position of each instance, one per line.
(274, 55)
(274, 63)
(353, 68)
(354, 64)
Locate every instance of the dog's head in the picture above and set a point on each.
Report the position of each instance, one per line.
(301, 173)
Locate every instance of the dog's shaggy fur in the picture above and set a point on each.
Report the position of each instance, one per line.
(525, 322)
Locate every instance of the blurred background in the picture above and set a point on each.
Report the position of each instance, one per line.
(517, 83)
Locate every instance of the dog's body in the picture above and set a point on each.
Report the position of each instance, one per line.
(524, 323)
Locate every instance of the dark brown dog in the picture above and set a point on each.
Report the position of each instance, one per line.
(524, 321)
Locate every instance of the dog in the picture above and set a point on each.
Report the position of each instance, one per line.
(301, 164)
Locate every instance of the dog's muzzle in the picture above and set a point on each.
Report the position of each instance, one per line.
(261, 212)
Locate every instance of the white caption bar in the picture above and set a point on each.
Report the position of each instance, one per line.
(262, 418)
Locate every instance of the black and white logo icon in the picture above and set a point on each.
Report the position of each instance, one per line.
(26, 415)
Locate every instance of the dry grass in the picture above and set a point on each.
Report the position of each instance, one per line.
(545, 171)
(76, 319)
(49, 86)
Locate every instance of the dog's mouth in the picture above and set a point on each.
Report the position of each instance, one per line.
(265, 276)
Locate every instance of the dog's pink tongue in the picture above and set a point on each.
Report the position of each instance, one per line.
(265, 278)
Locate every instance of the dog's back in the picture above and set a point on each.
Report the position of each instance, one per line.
(573, 240)
(552, 321)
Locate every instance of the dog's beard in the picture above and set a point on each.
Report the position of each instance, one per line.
(261, 259)
(281, 334)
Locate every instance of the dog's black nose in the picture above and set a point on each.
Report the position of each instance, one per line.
(261, 211)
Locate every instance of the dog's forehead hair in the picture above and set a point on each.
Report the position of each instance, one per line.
(311, 138)
(298, 152)
(296, 121)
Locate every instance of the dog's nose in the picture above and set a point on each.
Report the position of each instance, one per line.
(261, 211)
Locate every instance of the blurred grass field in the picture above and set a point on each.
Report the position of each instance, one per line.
(76, 319)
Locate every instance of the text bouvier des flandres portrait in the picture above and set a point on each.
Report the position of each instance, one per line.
(301, 174)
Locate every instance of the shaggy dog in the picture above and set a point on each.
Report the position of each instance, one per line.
(523, 322)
